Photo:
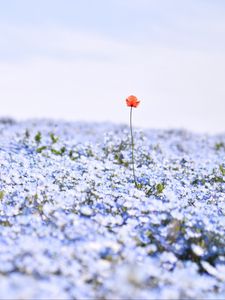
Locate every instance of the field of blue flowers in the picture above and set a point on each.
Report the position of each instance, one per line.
(74, 226)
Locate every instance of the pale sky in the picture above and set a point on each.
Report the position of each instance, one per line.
(80, 59)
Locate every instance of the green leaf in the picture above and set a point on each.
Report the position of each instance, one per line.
(160, 187)
(38, 137)
(2, 193)
(40, 149)
(219, 146)
(59, 152)
(54, 138)
(222, 170)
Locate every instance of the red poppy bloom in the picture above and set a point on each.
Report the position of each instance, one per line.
(132, 101)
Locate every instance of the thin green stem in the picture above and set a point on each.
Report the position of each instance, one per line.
(132, 146)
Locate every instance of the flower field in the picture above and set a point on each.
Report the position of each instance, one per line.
(73, 225)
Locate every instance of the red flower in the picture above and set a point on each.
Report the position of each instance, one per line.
(132, 101)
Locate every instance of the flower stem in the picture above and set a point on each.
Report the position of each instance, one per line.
(132, 146)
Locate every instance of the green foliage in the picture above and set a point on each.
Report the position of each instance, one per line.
(2, 193)
(203, 181)
(218, 179)
(120, 159)
(27, 134)
(198, 181)
(222, 170)
(89, 152)
(155, 190)
(121, 146)
(139, 185)
(54, 138)
(56, 152)
(5, 223)
(219, 146)
(215, 177)
(63, 150)
(160, 187)
(71, 155)
(59, 152)
(40, 149)
(38, 137)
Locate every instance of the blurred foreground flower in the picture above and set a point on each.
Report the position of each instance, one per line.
(132, 101)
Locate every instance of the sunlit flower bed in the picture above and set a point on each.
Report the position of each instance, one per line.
(73, 225)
